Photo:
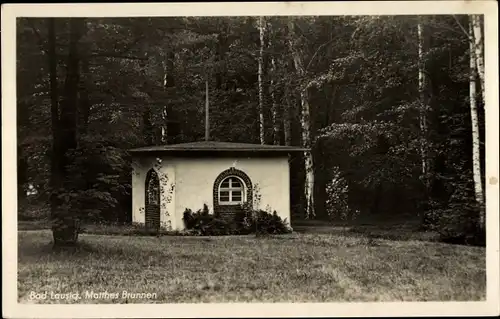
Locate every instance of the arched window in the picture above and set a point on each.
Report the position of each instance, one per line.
(231, 191)
(232, 188)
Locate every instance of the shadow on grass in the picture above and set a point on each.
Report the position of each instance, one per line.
(48, 250)
(400, 233)
(33, 224)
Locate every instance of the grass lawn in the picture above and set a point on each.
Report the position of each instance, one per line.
(297, 267)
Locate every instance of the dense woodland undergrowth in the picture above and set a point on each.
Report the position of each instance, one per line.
(392, 108)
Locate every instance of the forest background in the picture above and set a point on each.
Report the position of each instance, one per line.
(392, 108)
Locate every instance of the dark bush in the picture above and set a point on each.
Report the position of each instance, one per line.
(244, 222)
(188, 218)
(248, 221)
(205, 224)
(260, 222)
(459, 225)
(270, 224)
(457, 219)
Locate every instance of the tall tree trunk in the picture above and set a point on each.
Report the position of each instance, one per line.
(422, 92)
(23, 111)
(261, 86)
(69, 111)
(272, 90)
(22, 174)
(147, 126)
(55, 159)
(304, 122)
(170, 127)
(65, 227)
(84, 98)
(476, 155)
(479, 52)
(287, 134)
(164, 113)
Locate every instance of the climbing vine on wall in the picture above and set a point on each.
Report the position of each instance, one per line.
(257, 196)
(166, 194)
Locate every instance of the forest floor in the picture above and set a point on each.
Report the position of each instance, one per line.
(297, 267)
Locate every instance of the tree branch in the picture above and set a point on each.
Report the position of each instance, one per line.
(461, 27)
(317, 51)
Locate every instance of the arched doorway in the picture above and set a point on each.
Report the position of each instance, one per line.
(152, 199)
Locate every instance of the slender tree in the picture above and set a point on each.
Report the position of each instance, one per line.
(304, 122)
(168, 132)
(272, 89)
(479, 51)
(261, 26)
(476, 154)
(84, 105)
(423, 109)
(288, 105)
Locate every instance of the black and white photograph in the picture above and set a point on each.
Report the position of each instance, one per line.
(276, 154)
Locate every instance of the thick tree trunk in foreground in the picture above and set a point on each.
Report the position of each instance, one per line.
(476, 154)
(305, 125)
(65, 222)
(56, 163)
(261, 86)
(55, 159)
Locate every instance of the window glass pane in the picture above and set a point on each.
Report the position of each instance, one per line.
(224, 196)
(236, 196)
(225, 183)
(236, 183)
(236, 193)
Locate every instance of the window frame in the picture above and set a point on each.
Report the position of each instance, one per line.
(230, 191)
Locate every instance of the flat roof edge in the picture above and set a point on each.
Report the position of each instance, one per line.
(136, 151)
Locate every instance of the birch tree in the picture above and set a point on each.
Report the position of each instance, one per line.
(304, 121)
(272, 89)
(261, 27)
(169, 128)
(164, 112)
(422, 87)
(476, 154)
(479, 51)
(286, 118)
